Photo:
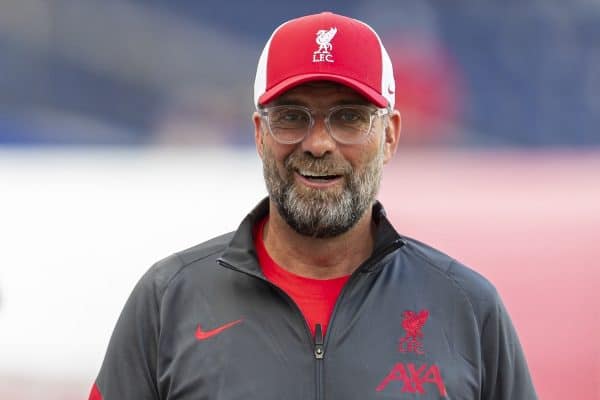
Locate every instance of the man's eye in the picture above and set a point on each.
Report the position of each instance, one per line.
(293, 116)
(350, 116)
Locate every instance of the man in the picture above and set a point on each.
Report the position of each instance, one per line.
(316, 296)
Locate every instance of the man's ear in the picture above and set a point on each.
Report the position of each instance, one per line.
(258, 133)
(392, 135)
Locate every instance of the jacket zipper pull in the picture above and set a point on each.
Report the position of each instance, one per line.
(319, 343)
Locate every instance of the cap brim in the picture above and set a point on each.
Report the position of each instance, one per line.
(368, 92)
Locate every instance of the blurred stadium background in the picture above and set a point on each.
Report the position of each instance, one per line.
(124, 129)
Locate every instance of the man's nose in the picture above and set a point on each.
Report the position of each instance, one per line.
(318, 142)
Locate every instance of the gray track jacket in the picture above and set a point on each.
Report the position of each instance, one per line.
(411, 323)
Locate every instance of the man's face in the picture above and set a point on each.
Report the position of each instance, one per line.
(321, 187)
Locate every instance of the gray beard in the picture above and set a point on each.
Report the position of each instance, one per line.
(322, 213)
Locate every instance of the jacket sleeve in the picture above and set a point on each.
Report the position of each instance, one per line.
(129, 367)
(505, 375)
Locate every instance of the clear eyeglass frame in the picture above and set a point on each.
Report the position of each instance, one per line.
(341, 136)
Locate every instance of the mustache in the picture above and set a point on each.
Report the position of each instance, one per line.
(326, 165)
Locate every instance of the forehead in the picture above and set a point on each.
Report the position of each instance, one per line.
(320, 93)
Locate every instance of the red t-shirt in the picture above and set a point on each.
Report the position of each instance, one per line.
(315, 297)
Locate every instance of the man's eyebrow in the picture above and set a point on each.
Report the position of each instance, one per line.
(283, 101)
(357, 101)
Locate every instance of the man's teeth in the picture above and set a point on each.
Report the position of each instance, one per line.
(327, 177)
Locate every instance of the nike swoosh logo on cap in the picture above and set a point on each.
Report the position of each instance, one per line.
(203, 335)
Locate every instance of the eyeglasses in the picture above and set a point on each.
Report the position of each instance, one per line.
(347, 124)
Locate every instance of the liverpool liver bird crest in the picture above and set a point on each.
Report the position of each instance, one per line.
(324, 38)
(413, 323)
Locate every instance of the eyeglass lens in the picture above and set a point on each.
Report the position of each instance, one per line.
(348, 124)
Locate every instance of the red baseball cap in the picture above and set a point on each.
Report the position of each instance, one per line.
(328, 47)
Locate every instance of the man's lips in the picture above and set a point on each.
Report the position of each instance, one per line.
(317, 181)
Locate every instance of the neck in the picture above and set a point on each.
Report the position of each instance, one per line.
(320, 258)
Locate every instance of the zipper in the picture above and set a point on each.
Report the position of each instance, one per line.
(319, 345)
(319, 352)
